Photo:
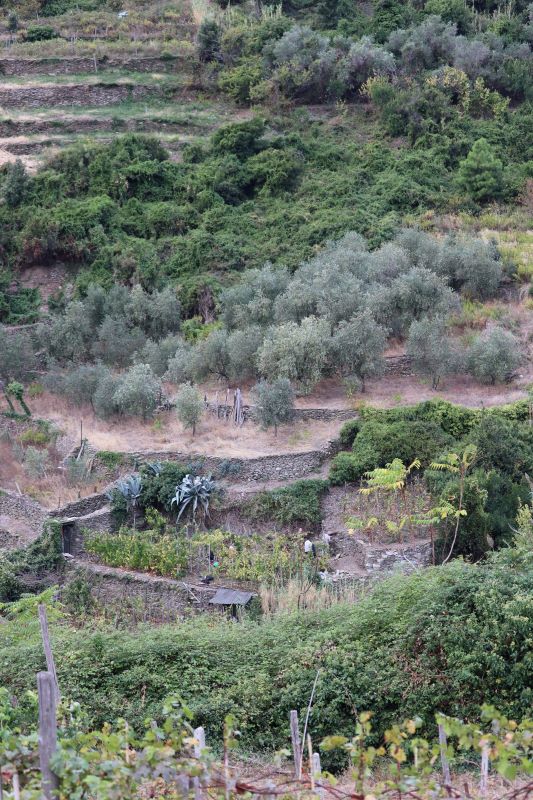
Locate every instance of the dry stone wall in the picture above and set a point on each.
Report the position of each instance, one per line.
(22, 507)
(300, 414)
(83, 64)
(286, 466)
(145, 596)
(84, 94)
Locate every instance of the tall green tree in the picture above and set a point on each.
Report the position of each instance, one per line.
(481, 172)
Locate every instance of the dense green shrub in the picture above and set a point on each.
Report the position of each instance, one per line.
(297, 504)
(159, 484)
(40, 33)
(469, 624)
(379, 443)
(31, 566)
(348, 432)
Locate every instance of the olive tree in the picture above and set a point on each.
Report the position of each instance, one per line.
(357, 347)
(274, 403)
(179, 365)
(117, 342)
(494, 355)
(429, 346)
(79, 385)
(253, 298)
(211, 356)
(158, 354)
(103, 400)
(419, 293)
(189, 406)
(242, 347)
(17, 359)
(69, 336)
(296, 352)
(138, 392)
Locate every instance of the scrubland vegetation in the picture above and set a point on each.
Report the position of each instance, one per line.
(370, 197)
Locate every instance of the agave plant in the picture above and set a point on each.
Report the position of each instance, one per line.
(155, 467)
(192, 492)
(130, 488)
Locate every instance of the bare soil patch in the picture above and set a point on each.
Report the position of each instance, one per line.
(213, 437)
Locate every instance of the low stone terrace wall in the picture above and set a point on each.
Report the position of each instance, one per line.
(143, 597)
(23, 508)
(77, 65)
(286, 466)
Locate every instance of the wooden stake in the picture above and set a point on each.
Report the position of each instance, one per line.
(484, 778)
(309, 712)
(199, 735)
(47, 732)
(50, 663)
(443, 756)
(296, 748)
(310, 756)
(317, 774)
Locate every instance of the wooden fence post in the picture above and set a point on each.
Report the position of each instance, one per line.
(443, 756)
(317, 774)
(47, 732)
(199, 735)
(484, 777)
(50, 663)
(296, 747)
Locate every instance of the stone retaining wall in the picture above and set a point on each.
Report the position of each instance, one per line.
(145, 597)
(77, 65)
(398, 365)
(81, 507)
(300, 414)
(83, 94)
(287, 466)
(23, 508)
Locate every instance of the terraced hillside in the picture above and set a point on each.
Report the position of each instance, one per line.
(103, 83)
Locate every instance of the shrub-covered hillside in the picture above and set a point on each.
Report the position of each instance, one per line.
(446, 639)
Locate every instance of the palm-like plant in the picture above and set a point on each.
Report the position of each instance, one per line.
(458, 465)
(193, 492)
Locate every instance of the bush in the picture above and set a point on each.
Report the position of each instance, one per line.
(379, 443)
(36, 462)
(348, 432)
(159, 484)
(494, 355)
(138, 392)
(469, 624)
(208, 40)
(298, 504)
(40, 33)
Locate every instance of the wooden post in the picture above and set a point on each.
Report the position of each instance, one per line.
(47, 732)
(50, 663)
(317, 774)
(443, 756)
(199, 735)
(296, 747)
(484, 777)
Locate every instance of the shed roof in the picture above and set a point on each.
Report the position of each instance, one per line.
(231, 597)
